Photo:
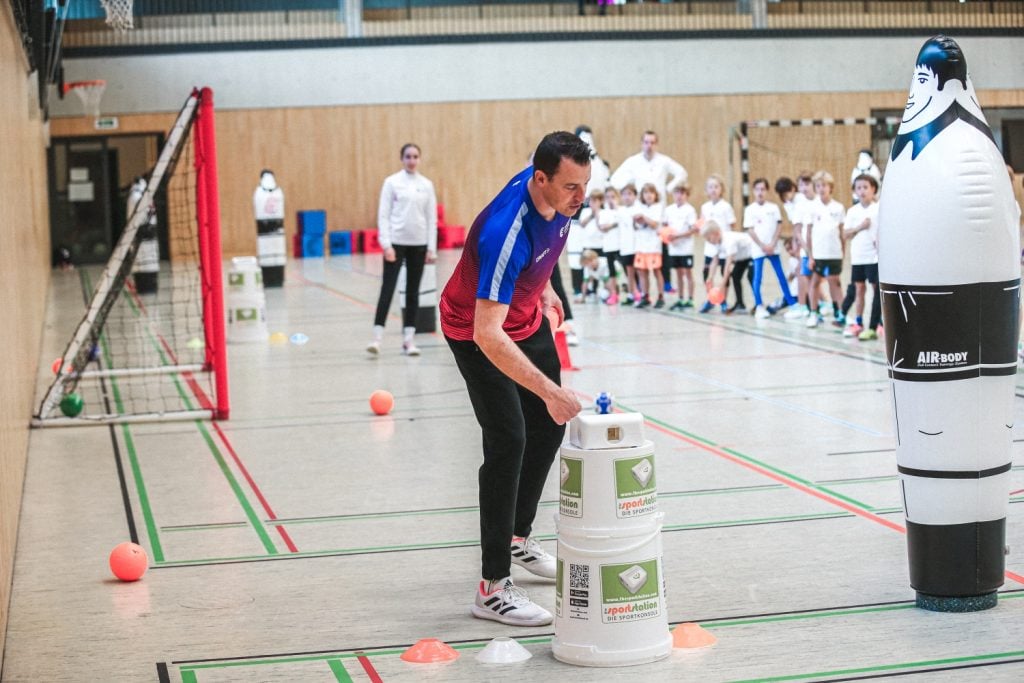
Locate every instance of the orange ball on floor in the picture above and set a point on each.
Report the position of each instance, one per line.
(128, 561)
(716, 296)
(381, 402)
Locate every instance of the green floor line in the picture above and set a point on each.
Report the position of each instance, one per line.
(474, 542)
(338, 669)
(901, 666)
(155, 546)
(247, 508)
(754, 461)
(543, 640)
(140, 490)
(203, 527)
(454, 510)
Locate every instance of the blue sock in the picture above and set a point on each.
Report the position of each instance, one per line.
(860, 320)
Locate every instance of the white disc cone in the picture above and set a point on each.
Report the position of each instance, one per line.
(503, 651)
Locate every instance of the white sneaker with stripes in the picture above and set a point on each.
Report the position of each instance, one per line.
(507, 603)
(528, 554)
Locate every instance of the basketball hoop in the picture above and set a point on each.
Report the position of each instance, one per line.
(89, 92)
(119, 14)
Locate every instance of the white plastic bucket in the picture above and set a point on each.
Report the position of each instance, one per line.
(245, 277)
(611, 488)
(610, 607)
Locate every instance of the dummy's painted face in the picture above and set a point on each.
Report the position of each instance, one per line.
(268, 182)
(925, 101)
(649, 145)
(411, 158)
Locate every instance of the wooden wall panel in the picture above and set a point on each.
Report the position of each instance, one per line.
(24, 277)
(335, 158)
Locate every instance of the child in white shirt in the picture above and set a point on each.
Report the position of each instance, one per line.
(825, 246)
(763, 222)
(862, 232)
(718, 210)
(680, 221)
(648, 245)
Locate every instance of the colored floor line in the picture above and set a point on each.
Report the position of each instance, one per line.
(711, 624)
(785, 405)
(156, 548)
(289, 543)
(364, 661)
(250, 514)
(456, 509)
(440, 545)
(889, 668)
(786, 478)
(338, 669)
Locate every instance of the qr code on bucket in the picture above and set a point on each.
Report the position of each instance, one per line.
(579, 575)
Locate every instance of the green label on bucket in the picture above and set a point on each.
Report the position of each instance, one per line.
(570, 489)
(635, 489)
(236, 279)
(245, 314)
(629, 592)
(558, 587)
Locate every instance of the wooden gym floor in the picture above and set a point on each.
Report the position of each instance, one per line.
(306, 539)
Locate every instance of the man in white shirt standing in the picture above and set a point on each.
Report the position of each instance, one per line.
(650, 166)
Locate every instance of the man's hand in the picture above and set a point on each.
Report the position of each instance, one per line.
(550, 302)
(389, 254)
(562, 405)
(431, 256)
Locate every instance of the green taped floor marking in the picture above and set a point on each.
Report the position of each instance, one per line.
(250, 513)
(140, 490)
(823, 614)
(755, 461)
(188, 676)
(338, 669)
(156, 548)
(889, 667)
(473, 542)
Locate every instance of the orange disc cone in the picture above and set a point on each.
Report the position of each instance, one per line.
(430, 651)
(691, 636)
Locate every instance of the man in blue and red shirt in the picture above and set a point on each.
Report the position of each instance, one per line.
(494, 315)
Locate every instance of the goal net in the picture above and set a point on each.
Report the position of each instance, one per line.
(155, 352)
(788, 147)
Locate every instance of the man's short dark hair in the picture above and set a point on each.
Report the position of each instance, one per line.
(870, 179)
(943, 56)
(556, 146)
(783, 185)
(760, 181)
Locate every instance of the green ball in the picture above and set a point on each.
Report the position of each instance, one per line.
(71, 405)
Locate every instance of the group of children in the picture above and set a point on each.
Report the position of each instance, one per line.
(618, 245)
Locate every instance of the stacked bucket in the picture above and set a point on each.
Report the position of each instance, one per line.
(610, 605)
(246, 303)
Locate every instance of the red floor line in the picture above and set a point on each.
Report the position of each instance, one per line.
(800, 487)
(783, 480)
(368, 668)
(255, 488)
